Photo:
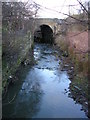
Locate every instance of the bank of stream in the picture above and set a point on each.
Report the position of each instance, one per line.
(43, 89)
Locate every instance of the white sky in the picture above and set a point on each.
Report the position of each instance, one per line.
(58, 5)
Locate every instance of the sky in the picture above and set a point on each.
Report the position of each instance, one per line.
(57, 5)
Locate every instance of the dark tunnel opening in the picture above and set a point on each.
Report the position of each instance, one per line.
(44, 34)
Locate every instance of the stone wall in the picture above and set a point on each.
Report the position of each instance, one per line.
(46, 21)
(16, 49)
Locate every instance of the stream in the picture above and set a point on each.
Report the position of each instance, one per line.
(42, 90)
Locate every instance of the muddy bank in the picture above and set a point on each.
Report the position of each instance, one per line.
(74, 44)
(79, 80)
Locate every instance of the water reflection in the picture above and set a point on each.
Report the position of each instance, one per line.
(28, 99)
(23, 98)
(43, 92)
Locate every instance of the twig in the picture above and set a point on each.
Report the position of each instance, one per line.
(10, 101)
(83, 6)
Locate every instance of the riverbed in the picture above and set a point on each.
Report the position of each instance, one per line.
(42, 89)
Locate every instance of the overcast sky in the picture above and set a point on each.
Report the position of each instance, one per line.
(57, 5)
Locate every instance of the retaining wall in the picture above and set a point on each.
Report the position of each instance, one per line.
(16, 49)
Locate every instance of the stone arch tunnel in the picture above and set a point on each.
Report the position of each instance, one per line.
(44, 34)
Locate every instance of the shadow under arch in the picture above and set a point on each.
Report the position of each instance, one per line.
(44, 34)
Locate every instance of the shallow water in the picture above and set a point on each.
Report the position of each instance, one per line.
(42, 91)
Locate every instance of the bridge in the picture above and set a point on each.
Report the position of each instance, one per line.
(45, 29)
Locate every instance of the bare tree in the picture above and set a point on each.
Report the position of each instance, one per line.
(15, 13)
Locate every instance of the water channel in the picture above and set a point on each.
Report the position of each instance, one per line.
(41, 89)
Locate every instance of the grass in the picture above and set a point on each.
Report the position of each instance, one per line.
(80, 63)
(81, 70)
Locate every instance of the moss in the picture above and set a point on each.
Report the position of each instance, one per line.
(8, 70)
(19, 46)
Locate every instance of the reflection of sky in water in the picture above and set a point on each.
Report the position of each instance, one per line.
(42, 94)
(55, 103)
(36, 54)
